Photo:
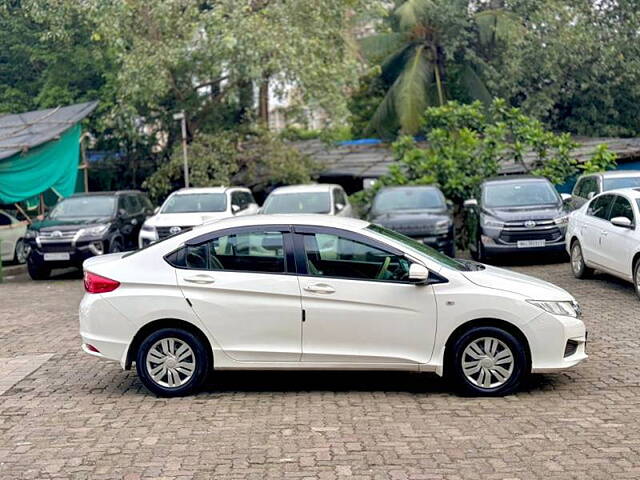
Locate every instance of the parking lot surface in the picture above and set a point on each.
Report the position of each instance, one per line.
(64, 414)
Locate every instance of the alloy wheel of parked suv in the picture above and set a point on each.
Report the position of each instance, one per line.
(578, 267)
(487, 361)
(636, 277)
(172, 362)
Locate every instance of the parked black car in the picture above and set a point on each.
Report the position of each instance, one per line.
(420, 212)
(85, 225)
(516, 214)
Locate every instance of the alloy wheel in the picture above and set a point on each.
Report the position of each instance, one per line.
(487, 362)
(171, 362)
(577, 261)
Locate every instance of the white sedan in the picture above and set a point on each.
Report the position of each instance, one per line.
(12, 244)
(603, 234)
(319, 292)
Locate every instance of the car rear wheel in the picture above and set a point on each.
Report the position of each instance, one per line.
(116, 246)
(487, 361)
(21, 252)
(578, 267)
(172, 362)
(636, 277)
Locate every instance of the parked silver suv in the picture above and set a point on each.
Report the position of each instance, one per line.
(591, 185)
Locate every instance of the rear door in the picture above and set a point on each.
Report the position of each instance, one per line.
(241, 283)
(595, 222)
(358, 304)
(7, 240)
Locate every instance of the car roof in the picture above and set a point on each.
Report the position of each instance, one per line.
(106, 194)
(514, 179)
(292, 219)
(311, 187)
(616, 174)
(196, 190)
(633, 192)
(409, 187)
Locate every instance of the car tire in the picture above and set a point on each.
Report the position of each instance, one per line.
(487, 361)
(21, 252)
(38, 272)
(183, 360)
(636, 277)
(481, 255)
(115, 246)
(578, 267)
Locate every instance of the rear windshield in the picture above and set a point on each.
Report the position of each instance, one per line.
(512, 194)
(302, 202)
(195, 203)
(84, 207)
(621, 182)
(408, 199)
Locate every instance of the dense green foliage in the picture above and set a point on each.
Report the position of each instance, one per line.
(573, 64)
(468, 143)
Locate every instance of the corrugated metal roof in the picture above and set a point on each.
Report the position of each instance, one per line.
(373, 160)
(23, 131)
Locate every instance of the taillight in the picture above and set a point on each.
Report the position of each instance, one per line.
(96, 284)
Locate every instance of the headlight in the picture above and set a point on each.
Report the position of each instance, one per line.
(568, 309)
(487, 221)
(562, 220)
(93, 231)
(148, 228)
(30, 234)
(442, 226)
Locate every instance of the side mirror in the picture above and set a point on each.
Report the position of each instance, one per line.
(471, 203)
(418, 274)
(340, 207)
(122, 212)
(566, 197)
(622, 222)
(590, 195)
(156, 210)
(235, 208)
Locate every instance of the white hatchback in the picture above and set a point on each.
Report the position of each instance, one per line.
(604, 234)
(319, 292)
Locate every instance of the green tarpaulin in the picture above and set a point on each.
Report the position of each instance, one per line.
(51, 165)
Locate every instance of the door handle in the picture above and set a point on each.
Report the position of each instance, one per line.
(320, 288)
(200, 279)
(604, 233)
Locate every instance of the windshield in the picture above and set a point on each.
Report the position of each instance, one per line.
(511, 194)
(621, 182)
(421, 248)
(408, 199)
(84, 207)
(195, 203)
(303, 202)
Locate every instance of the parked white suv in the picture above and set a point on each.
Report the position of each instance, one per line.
(323, 198)
(319, 292)
(189, 207)
(604, 234)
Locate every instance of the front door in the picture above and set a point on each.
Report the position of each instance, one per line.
(359, 305)
(595, 222)
(243, 287)
(618, 243)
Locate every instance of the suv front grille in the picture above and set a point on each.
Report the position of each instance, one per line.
(51, 247)
(57, 235)
(164, 232)
(542, 230)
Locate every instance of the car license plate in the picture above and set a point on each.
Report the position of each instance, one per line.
(56, 257)
(531, 243)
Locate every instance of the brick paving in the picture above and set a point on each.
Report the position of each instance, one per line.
(76, 417)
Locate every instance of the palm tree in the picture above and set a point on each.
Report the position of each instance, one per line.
(414, 63)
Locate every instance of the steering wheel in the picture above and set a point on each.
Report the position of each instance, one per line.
(215, 263)
(383, 268)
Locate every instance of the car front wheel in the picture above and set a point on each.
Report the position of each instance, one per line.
(578, 267)
(636, 277)
(172, 362)
(38, 271)
(487, 361)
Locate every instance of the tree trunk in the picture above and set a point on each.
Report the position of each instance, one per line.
(263, 101)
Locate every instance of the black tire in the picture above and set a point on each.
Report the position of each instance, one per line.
(21, 252)
(200, 355)
(468, 385)
(636, 277)
(576, 260)
(481, 255)
(37, 271)
(115, 246)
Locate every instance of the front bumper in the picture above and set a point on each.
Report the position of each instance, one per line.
(493, 248)
(77, 252)
(556, 342)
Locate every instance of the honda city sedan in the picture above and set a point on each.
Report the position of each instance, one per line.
(319, 292)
